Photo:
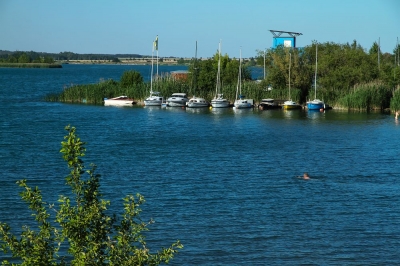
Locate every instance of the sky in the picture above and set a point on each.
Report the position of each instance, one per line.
(131, 26)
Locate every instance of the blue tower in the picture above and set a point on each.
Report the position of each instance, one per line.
(288, 40)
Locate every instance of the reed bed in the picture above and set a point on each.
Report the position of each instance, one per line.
(374, 95)
(166, 86)
(395, 101)
(369, 96)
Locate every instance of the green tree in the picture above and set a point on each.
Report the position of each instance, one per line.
(93, 237)
(48, 60)
(130, 78)
(24, 58)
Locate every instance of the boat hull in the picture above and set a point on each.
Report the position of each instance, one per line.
(119, 101)
(265, 106)
(197, 103)
(176, 103)
(152, 103)
(153, 100)
(177, 100)
(220, 103)
(290, 105)
(315, 105)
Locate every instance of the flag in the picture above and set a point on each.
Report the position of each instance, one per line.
(156, 44)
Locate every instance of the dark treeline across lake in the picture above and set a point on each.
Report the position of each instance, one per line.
(222, 181)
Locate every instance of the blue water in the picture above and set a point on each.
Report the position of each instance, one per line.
(221, 181)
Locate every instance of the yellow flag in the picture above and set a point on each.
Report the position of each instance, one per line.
(156, 44)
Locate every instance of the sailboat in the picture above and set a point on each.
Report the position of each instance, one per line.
(219, 101)
(196, 102)
(240, 101)
(154, 99)
(289, 104)
(315, 104)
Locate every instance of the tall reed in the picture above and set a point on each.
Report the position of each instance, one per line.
(374, 95)
(395, 100)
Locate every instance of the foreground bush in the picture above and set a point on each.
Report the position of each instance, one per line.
(92, 237)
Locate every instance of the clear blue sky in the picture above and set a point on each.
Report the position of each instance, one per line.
(130, 26)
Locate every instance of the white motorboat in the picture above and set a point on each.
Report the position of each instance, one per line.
(219, 101)
(196, 102)
(178, 99)
(119, 101)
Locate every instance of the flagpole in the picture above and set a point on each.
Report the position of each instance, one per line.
(157, 54)
(157, 63)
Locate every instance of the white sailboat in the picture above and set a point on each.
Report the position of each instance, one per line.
(240, 101)
(196, 102)
(289, 104)
(219, 101)
(154, 99)
(315, 104)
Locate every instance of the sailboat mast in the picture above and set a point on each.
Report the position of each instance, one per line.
(240, 71)
(316, 66)
(157, 57)
(218, 85)
(194, 80)
(290, 64)
(152, 69)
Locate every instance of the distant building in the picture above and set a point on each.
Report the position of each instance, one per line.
(180, 74)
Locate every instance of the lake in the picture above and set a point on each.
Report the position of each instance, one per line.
(224, 182)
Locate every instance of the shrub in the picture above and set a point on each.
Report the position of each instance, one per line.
(93, 237)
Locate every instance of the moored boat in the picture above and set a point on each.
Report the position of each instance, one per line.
(267, 104)
(291, 105)
(240, 101)
(177, 100)
(196, 102)
(119, 101)
(219, 101)
(154, 99)
(315, 104)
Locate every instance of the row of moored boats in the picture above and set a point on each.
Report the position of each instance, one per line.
(182, 100)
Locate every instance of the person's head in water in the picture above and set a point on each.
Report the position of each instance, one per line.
(306, 176)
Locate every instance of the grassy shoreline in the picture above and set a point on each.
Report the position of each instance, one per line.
(30, 65)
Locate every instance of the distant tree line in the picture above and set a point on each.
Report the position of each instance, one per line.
(25, 57)
(34, 57)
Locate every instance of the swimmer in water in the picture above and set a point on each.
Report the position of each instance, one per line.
(305, 176)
